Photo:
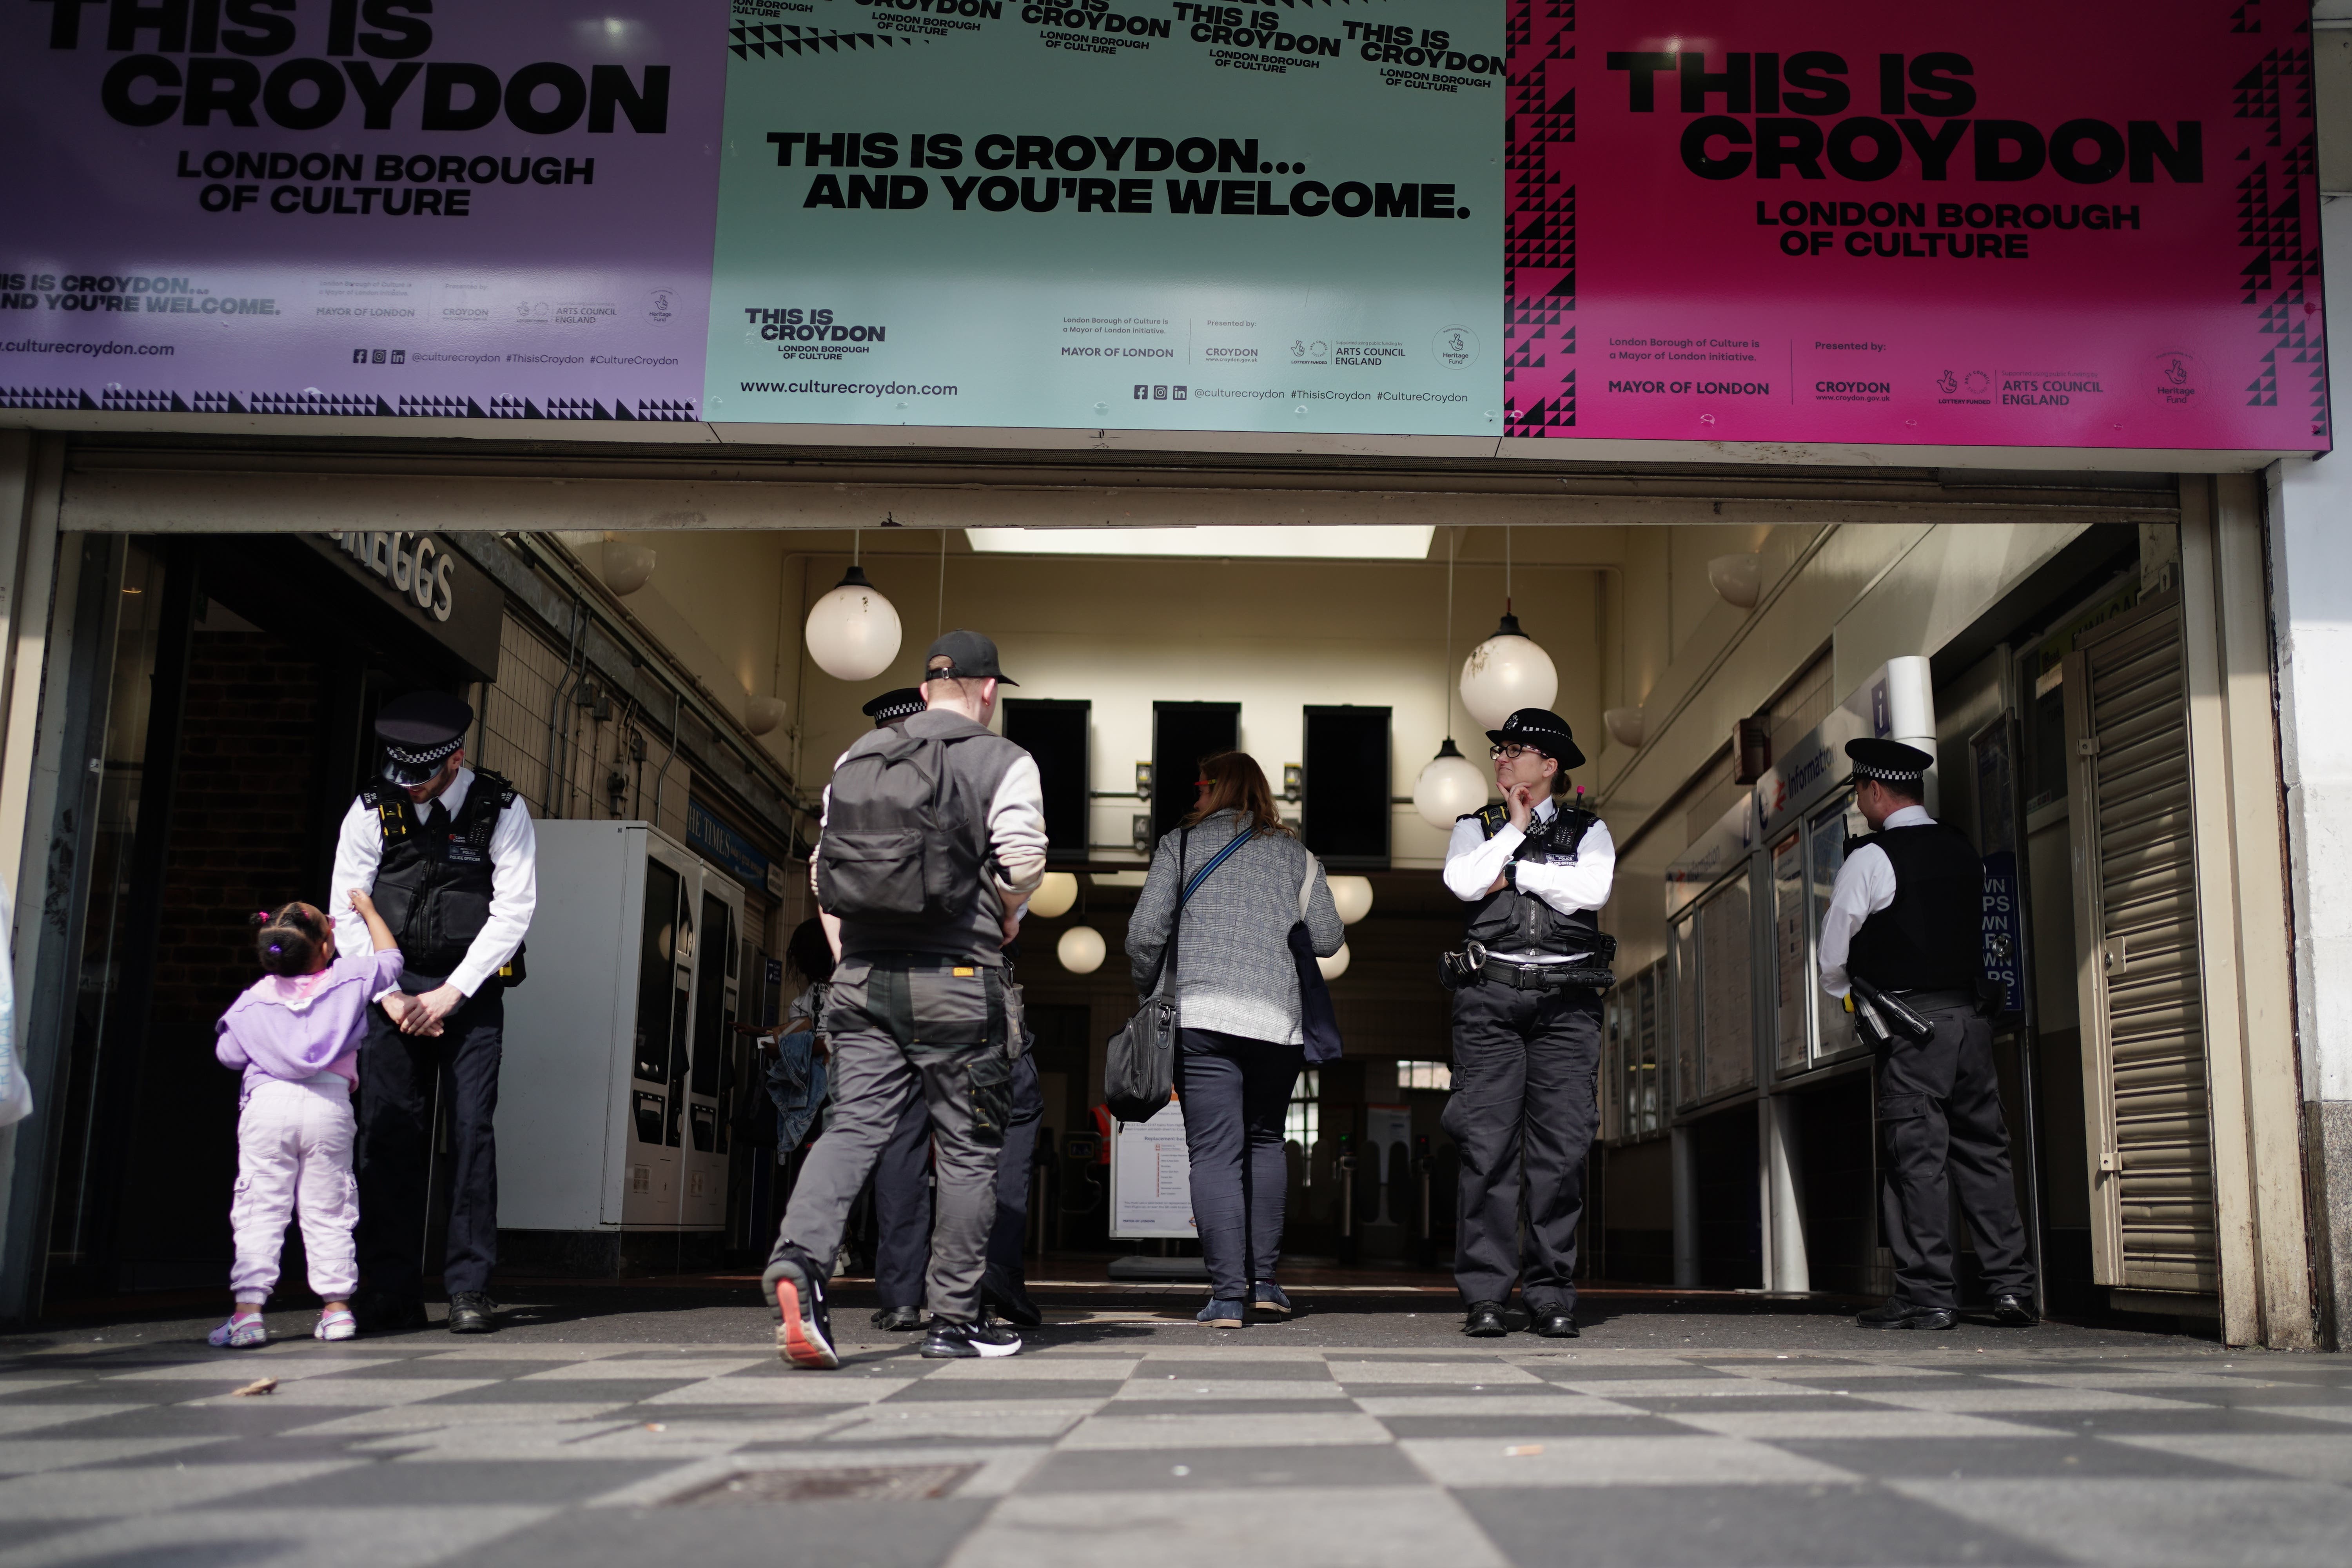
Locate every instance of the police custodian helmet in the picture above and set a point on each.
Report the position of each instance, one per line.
(420, 732)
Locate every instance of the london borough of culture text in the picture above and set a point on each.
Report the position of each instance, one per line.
(1765, 116)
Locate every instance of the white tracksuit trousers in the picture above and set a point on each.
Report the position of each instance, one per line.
(294, 1154)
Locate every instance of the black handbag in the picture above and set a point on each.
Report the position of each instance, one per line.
(1139, 1068)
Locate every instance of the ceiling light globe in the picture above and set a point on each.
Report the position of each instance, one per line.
(1055, 896)
(1449, 785)
(853, 632)
(1352, 896)
(1505, 673)
(1081, 950)
(762, 714)
(1336, 966)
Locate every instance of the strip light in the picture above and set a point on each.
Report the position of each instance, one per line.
(1279, 541)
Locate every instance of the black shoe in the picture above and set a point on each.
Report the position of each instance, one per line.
(803, 1322)
(956, 1341)
(384, 1315)
(899, 1320)
(2014, 1311)
(1560, 1324)
(1012, 1303)
(1484, 1320)
(1903, 1315)
(472, 1313)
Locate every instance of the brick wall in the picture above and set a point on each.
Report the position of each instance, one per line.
(241, 840)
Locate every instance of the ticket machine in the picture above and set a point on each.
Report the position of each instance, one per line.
(614, 1115)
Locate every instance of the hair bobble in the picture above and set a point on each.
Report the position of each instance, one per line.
(274, 948)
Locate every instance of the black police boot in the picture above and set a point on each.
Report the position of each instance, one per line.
(472, 1313)
(1008, 1300)
(1898, 1314)
(899, 1320)
(1559, 1323)
(1484, 1320)
(2014, 1311)
(803, 1323)
(380, 1314)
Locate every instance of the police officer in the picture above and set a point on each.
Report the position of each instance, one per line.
(1905, 916)
(449, 856)
(921, 1006)
(902, 1185)
(1526, 1026)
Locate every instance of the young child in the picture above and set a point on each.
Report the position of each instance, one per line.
(296, 1033)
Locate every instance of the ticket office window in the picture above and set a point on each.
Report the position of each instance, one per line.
(1827, 831)
(1714, 999)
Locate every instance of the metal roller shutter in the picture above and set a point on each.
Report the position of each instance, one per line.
(2152, 1224)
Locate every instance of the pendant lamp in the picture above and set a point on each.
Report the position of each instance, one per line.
(1053, 896)
(1336, 966)
(852, 631)
(1450, 783)
(1352, 897)
(1081, 950)
(1507, 671)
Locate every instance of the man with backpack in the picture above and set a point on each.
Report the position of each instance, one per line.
(934, 836)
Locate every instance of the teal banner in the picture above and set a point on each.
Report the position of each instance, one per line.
(1121, 213)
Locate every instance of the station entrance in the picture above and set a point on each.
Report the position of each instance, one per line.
(1714, 639)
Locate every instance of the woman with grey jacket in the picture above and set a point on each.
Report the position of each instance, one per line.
(1237, 1003)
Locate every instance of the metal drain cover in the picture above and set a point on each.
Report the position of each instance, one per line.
(872, 1483)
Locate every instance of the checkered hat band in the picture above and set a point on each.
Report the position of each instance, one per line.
(417, 756)
(1892, 775)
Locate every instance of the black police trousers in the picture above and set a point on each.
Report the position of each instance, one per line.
(1941, 1131)
(1527, 1066)
(902, 1197)
(397, 1076)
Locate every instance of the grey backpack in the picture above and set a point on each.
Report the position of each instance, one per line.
(900, 846)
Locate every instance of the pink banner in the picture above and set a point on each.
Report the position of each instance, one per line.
(2008, 223)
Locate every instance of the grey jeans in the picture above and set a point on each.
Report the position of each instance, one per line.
(965, 1089)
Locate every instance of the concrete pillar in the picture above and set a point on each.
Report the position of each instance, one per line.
(1785, 1265)
(1685, 1210)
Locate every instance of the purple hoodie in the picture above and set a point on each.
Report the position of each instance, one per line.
(294, 1027)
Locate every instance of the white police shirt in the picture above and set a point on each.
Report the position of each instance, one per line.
(514, 880)
(1473, 861)
(1864, 885)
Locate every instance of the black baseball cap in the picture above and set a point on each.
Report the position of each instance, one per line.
(419, 732)
(889, 708)
(1890, 761)
(1545, 731)
(970, 656)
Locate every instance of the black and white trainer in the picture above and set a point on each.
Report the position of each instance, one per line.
(956, 1341)
(803, 1322)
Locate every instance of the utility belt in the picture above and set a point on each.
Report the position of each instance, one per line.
(1473, 966)
(1883, 1018)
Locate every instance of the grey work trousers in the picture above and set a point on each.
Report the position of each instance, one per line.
(966, 1092)
(902, 1198)
(1941, 1130)
(1522, 1113)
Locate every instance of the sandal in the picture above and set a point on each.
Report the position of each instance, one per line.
(243, 1331)
(336, 1326)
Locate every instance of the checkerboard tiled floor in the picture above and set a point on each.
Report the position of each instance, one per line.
(1138, 1444)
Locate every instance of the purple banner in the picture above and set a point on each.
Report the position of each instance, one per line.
(358, 207)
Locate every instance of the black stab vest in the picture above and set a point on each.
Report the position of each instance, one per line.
(435, 897)
(1509, 921)
(1931, 938)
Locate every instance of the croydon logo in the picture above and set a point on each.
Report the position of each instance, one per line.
(800, 324)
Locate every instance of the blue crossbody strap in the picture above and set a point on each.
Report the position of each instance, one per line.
(1214, 861)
